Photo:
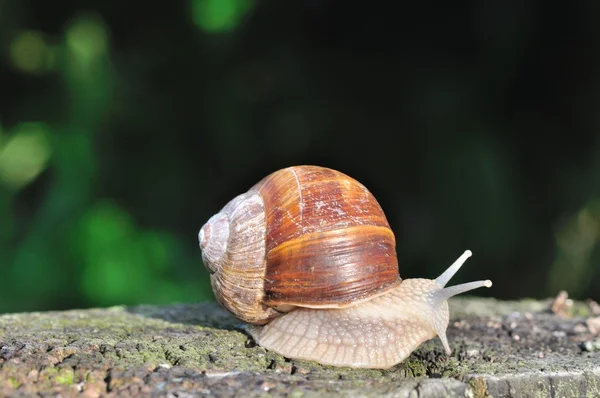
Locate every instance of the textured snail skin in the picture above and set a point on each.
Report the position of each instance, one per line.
(378, 333)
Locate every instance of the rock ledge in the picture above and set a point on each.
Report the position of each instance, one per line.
(500, 349)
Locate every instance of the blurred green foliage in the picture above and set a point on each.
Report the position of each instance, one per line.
(219, 15)
(123, 128)
(78, 249)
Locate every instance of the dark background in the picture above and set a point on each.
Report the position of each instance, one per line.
(125, 125)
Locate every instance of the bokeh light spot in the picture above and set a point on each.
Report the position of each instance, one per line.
(219, 15)
(123, 264)
(30, 53)
(87, 39)
(576, 240)
(24, 154)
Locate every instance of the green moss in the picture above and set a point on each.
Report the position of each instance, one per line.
(65, 377)
(580, 310)
(415, 367)
(478, 386)
(182, 342)
(48, 374)
(592, 384)
(14, 382)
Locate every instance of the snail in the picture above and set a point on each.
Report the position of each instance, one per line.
(306, 257)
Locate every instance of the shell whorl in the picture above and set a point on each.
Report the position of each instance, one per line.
(234, 252)
(213, 238)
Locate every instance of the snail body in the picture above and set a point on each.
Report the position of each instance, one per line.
(308, 259)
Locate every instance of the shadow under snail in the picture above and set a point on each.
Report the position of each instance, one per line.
(308, 259)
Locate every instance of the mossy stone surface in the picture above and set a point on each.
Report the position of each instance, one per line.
(499, 349)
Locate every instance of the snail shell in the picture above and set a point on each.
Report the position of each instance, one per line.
(304, 236)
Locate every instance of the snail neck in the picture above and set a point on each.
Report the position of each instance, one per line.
(426, 299)
(419, 300)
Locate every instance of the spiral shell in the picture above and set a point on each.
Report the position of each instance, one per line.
(304, 236)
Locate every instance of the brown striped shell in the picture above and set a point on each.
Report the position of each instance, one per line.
(304, 236)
